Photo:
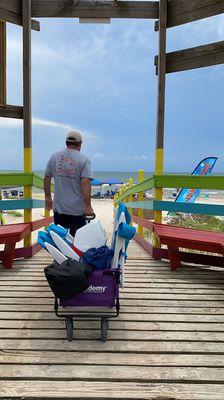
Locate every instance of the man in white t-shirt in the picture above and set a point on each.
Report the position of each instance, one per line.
(71, 171)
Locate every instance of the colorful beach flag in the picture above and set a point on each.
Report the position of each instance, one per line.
(204, 168)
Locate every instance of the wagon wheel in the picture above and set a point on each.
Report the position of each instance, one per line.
(69, 328)
(104, 328)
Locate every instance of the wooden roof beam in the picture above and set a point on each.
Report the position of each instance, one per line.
(196, 57)
(184, 11)
(95, 9)
(11, 11)
(8, 111)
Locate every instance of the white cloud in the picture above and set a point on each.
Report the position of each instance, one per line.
(137, 157)
(12, 123)
(100, 156)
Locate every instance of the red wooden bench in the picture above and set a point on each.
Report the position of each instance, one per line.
(175, 237)
(9, 235)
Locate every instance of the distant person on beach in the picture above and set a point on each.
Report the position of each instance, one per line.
(71, 171)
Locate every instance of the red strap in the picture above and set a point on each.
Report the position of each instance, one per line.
(79, 252)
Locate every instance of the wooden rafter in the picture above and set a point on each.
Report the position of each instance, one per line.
(184, 11)
(95, 9)
(9, 111)
(11, 11)
(196, 57)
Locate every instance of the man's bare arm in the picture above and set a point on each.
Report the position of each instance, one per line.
(86, 192)
(47, 192)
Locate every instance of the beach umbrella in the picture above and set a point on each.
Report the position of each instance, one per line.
(113, 181)
(96, 182)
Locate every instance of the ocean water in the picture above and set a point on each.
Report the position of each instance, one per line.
(124, 176)
(119, 175)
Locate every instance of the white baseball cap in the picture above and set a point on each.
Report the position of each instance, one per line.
(74, 136)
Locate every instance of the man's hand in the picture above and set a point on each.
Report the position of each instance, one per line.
(88, 210)
(48, 202)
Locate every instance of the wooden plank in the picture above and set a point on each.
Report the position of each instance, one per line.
(184, 11)
(125, 308)
(85, 358)
(23, 317)
(38, 295)
(113, 390)
(24, 291)
(141, 346)
(143, 222)
(127, 335)
(130, 273)
(196, 57)
(139, 293)
(9, 111)
(40, 223)
(92, 9)
(120, 373)
(197, 182)
(124, 301)
(118, 324)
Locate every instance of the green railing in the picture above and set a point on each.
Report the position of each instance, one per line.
(28, 180)
(143, 209)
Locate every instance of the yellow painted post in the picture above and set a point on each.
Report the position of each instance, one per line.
(141, 177)
(158, 191)
(28, 191)
(27, 125)
(130, 197)
(46, 213)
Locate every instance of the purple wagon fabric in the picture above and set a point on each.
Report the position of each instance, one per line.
(103, 291)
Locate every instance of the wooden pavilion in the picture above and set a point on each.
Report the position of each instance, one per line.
(167, 342)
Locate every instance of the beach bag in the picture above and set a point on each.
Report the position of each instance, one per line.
(99, 258)
(68, 279)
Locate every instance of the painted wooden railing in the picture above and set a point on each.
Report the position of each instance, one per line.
(143, 210)
(29, 180)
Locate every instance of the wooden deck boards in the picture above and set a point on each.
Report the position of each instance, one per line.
(167, 344)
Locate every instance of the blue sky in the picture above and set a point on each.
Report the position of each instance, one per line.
(101, 80)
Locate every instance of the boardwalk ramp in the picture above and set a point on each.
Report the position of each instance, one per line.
(167, 344)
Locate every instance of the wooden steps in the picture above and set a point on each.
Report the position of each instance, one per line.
(167, 344)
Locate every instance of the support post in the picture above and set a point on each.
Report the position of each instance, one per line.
(160, 103)
(27, 124)
(141, 177)
(2, 63)
(130, 197)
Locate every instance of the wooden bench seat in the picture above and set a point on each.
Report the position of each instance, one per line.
(9, 235)
(175, 237)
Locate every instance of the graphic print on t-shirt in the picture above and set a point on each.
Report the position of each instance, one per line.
(66, 166)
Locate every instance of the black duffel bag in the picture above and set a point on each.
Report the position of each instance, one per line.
(68, 279)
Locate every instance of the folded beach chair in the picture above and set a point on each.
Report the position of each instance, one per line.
(123, 233)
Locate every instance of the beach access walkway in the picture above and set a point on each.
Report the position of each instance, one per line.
(167, 344)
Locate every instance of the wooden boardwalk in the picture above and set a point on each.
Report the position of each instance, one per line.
(167, 344)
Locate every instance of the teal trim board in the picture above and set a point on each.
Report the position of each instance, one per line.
(38, 203)
(22, 204)
(145, 205)
(25, 204)
(192, 208)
